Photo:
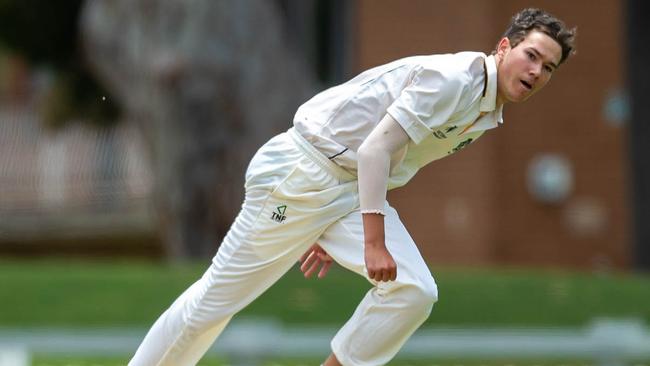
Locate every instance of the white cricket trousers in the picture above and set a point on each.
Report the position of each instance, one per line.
(296, 197)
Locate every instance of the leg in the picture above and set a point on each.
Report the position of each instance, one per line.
(289, 202)
(237, 276)
(158, 344)
(331, 361)
(391, 311)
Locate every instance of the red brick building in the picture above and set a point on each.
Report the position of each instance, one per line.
(475, 207)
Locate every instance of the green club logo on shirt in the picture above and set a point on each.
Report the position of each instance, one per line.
(461, 146)
(443, 135)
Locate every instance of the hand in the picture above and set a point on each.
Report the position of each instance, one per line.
(380, 263)
(312, 259)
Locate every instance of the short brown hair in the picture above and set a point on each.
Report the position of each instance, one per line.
(532, 19)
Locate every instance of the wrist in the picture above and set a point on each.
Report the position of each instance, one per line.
(373, 211)
(374, 244)
(373, 230)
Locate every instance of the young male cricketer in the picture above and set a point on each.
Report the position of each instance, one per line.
(324, 181)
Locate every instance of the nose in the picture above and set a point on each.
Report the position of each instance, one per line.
(536, 70)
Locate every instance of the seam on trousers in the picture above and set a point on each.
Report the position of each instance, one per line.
(284, 180)
(246, 238)
(252, 232)
(184, 328)
(191, 316)
(314, 156)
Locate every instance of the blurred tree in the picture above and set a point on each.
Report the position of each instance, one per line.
(45, 34)
(206, 81)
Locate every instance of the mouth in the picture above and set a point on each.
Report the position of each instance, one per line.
(526, 85)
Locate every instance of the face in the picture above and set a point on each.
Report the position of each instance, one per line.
(526, 68)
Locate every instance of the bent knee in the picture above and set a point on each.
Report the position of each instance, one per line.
(428, 293)
(421, 296)
(432, 293)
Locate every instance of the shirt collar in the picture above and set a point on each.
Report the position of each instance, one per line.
(492, 115)
(489, 99)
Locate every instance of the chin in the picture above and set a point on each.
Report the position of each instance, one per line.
(519, 98)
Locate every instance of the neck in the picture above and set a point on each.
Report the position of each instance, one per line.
(500, 99)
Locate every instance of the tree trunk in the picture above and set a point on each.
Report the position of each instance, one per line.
(207, 82)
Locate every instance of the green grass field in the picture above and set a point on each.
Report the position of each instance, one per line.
(133, 294)
(75, 294)
(210, 362)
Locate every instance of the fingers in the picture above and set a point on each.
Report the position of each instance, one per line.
(308, 253)
(388, 276)
(308, 263)
(312, 259)
(324, 269)
(312, 269)
(383, 275)
(324, 256)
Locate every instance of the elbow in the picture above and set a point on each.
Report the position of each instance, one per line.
(368, 149)
(362, 150)
(369, 154)
(365, 151)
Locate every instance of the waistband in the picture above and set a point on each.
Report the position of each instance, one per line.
(317, 157)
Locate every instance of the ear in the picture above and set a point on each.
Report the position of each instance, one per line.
(503, 47)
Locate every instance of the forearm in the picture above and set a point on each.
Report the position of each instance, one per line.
(373, 230)
(373, 170)
(374, 157)
(373, 163)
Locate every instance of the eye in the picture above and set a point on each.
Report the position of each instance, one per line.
(531, 55)
(548, 69)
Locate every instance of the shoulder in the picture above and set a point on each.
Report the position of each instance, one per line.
(459, 67)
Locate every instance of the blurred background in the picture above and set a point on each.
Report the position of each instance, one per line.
(126, 127)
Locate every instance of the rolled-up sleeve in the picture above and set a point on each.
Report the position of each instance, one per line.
(427, 102)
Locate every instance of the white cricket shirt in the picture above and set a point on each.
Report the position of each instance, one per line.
(437, 99)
